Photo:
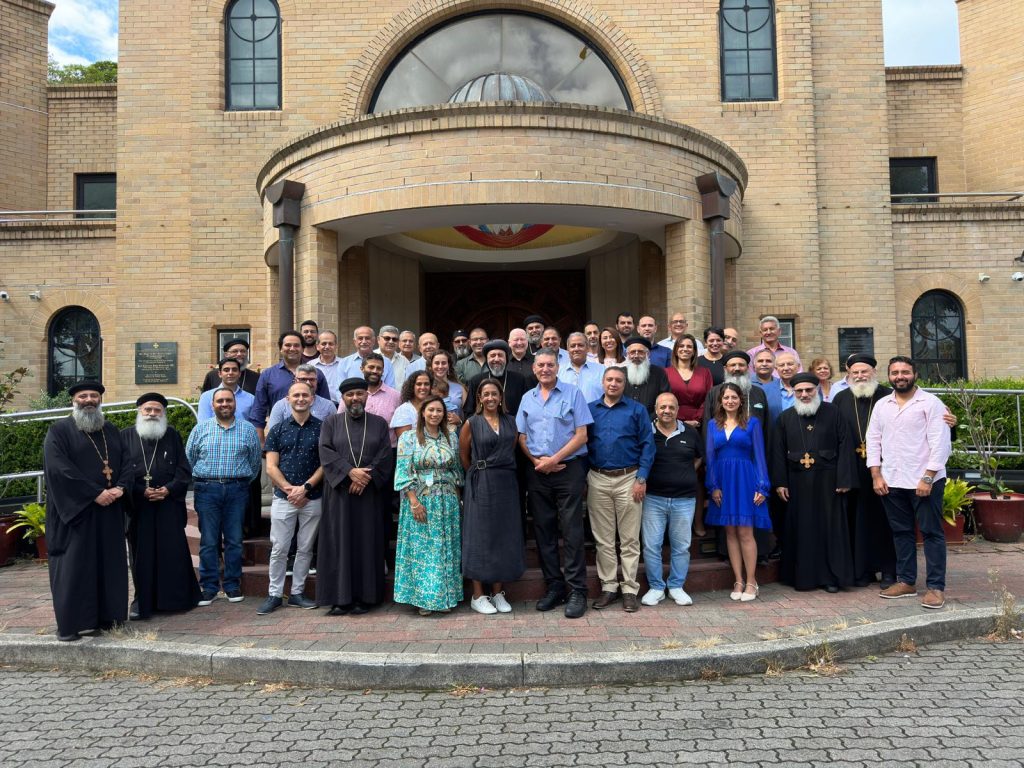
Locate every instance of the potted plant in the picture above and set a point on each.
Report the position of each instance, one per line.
(32, 517)
(956, 505)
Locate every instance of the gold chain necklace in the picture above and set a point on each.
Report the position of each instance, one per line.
(348, 436)
(862, 449)
(148, 465)
(107, 471)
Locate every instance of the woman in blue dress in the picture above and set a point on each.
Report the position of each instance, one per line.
(738, 485)
(442, 368)
(428, 549)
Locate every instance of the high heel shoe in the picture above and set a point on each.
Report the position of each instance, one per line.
(737, 594)
(746, 597)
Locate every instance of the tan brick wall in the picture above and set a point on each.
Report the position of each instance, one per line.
(82, 138)
(926, 120)
(23, 104)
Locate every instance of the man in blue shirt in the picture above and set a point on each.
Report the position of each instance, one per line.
(552, 422)
(584, 374)
(230, 371)
(320, 407)
(620, 448)
(275, 380)
(352, 366)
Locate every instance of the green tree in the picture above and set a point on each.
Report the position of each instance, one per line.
(69, 74)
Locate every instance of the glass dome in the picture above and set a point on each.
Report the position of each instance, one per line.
(500, 86)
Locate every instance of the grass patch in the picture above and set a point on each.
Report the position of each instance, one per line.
(671, 645)
(770, 635)
(906, 644)
(821, 660)
(838, 626)
(806, 631)
(773, 668)
(1008, 621)
(707, 642)
(709, 674)
(462, 690)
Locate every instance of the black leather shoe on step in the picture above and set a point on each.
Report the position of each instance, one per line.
(553, 598)
(576, 606)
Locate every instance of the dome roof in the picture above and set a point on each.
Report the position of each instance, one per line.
(499, 86)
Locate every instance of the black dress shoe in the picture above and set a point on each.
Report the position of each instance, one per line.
(606, 599)
(69, 638)
(887, 581)
(577, 605)
(359, 608)
(862, 582)
(339, 610)
(554, 597)
(775, 554)
(831, 589)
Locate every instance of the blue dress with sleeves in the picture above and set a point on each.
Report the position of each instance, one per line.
(736, 466)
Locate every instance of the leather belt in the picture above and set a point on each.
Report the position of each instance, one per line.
(616, 472)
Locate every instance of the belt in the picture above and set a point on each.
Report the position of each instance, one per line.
(616, 472)
(221, 480)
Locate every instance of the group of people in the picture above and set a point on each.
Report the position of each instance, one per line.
(646, 432)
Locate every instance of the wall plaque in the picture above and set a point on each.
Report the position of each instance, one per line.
(854, 340)
(156, 362)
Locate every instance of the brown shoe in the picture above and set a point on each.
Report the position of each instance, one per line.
(897, 590)
(629, 603)
(933, 598)
(606, 599)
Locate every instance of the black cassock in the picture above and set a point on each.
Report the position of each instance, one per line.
(88, 561)
(162, 570)
(816, 539)
(353, 528)
(870, 535)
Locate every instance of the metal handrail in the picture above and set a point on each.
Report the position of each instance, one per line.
(121, 406)
(1013, 196)
(36, 475)
(1017, 395)
(70, 214)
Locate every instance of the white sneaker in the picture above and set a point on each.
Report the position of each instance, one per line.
(500, 603)
(680, 596)
(653, 597)
(483, 605)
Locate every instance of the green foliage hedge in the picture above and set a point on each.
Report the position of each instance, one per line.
(21, 445)
(991, 407)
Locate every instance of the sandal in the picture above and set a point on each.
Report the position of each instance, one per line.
(736, 594)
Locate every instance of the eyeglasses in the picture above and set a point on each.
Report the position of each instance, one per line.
(389, 338)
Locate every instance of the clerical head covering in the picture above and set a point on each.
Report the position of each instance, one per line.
(231, 342)
(459, 334)
(804, 378)
(637, 340)
(355, 382)
(735, 353)
(151, 397)
(533, 319)
(86, 386)
(497, 344)
(861, 357)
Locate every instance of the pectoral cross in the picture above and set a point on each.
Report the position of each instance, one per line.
(108, 472)
(862, 451)
(807, 461)
(147, 477)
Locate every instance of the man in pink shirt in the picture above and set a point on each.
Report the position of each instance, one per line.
(908, 445)
(381, 400)
(768, 330)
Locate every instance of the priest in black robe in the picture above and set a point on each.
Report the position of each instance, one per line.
(811, 469)
(358, 463)
(644, 381)
(161, 562)
(86, 476)
(514, 385)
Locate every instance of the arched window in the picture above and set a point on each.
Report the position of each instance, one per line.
(252, 66)
(747, 39)
(75, 349)
(937, 337)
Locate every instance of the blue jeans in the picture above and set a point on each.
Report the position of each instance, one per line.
(676, 514)
(220, 507)
(902, 506)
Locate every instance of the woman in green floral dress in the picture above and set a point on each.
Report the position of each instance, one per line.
(428, 572)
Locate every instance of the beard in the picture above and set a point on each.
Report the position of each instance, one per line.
(88, 418)
(373, 379)
(356, 410)
(808, 409)
(743, 381)
(496, 370)
(638, 373)
(151, 429)
(463, 352)
(904, 387)
(864, 389)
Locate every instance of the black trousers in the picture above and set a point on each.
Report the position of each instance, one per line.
(556, 504)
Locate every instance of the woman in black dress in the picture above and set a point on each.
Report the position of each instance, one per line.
(492, 534)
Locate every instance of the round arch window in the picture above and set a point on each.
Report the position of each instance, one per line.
(937, 337)
(442, 65)
(75, 349)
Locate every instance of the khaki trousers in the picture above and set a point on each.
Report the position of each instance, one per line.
(612, 509)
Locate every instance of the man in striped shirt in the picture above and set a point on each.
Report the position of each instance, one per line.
(225, 454)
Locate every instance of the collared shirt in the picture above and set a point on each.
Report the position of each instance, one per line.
(550, 424)
(587, 379)
(773, 395)
(673, 474)
(352, 366)
(273, 385)
(243, 404)
(384, 402)
(400, 365)
(782, 348)
(620, 436)
(837, 387)
(223, 453)
(669, 343)
(298, 449)
(906, 442)
(331, 372)
(321, 408)
(467, 368)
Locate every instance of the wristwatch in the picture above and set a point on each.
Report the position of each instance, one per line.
(928, 480)
(308, 487)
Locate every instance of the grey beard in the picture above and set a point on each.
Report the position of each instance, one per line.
(638, 373)
(91, 420)
(151, 429)
(808, 409)
(356, 410)
(461, 354)
(864, 389)
(742, 381)
(496, 370)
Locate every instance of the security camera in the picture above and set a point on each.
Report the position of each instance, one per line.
(1017, 277)
(5, 296)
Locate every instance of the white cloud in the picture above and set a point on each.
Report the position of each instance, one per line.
(920, 32)
(84, 31)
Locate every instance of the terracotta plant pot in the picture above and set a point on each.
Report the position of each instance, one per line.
(41, 548)
(954, 533)
(1000, 519)
(8, 542)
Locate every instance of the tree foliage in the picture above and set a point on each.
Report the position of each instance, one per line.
(70, 74)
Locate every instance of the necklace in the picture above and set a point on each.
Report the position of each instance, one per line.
(862, 448)
(362, 447)
(807, 460)
(148, 465)
(107, 471)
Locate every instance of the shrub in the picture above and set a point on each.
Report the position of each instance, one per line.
(992, 409)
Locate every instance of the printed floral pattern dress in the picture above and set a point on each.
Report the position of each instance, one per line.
(428, 571)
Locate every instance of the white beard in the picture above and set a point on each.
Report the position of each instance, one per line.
(88, 421)
(808, 409)
(864, 389)
(638, 373)
(742, 381)
(497, 371)
(151, 429)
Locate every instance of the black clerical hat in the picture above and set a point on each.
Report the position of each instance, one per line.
(804, 378)
(151, 397)
(861, 357)
(497, 344)
(355, 382)
(735, 353)
(86, 386)
(533, 319)
(231, 342)
(637, 340)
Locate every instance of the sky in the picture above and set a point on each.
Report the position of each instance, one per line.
(916, 31)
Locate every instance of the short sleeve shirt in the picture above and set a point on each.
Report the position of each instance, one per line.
(298, 449)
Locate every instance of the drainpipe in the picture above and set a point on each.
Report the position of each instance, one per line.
(715, 191)
(285, 196)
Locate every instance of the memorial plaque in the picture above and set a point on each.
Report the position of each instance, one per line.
(853, 341)
(156, 362)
